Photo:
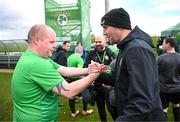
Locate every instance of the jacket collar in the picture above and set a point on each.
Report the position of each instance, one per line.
(136, 33)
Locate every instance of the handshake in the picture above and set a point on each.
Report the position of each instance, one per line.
(95, 67)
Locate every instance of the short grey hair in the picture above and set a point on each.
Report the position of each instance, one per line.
(78, 49)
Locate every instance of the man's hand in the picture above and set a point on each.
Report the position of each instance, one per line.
(104, 68)
(95, 67)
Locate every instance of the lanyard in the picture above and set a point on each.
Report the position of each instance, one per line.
(99, 58)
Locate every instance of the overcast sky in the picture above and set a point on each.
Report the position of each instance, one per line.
(153, 16)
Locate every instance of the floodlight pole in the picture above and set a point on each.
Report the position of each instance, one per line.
(106, 6)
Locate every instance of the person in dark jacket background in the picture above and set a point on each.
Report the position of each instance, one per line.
(136, 76)
(102, 55)
(61, 57)
(61, 53)
(169, 77)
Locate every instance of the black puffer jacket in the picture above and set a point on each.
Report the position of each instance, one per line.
(61, 56)
(136, 82)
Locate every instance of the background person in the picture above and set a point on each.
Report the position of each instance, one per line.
(61, 53)
(136, 81)
(84, 53)
(78, 98)
(75, 60)
(37, 80)
(112, 47)
(102, 55)
(61, 57)
(169, 77)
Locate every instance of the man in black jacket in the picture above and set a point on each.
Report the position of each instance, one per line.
(102, 55)
(61, 56)
(61, 53)
(136, 77)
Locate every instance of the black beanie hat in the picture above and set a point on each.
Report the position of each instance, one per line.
(117, 18)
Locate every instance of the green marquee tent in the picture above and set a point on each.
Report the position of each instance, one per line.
(172, 31)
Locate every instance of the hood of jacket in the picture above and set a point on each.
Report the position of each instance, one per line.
(60, 49)
(136, 33)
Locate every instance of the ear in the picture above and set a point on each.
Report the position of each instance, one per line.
(36, 41)
(167, 43)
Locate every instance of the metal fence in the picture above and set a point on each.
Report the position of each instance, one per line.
(10, 52)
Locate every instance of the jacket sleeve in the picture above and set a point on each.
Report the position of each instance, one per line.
(88, 59)
(142, 77)
(107, 78)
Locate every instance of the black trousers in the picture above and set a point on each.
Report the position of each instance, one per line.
(72, 100)
(102, 98)
(174, 98)
(166, 98)
(72, 105)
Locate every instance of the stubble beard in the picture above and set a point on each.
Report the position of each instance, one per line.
(99, 48)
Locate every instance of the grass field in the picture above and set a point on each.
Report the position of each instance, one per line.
(64, 111)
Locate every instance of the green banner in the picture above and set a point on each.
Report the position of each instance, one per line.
(70, 20)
